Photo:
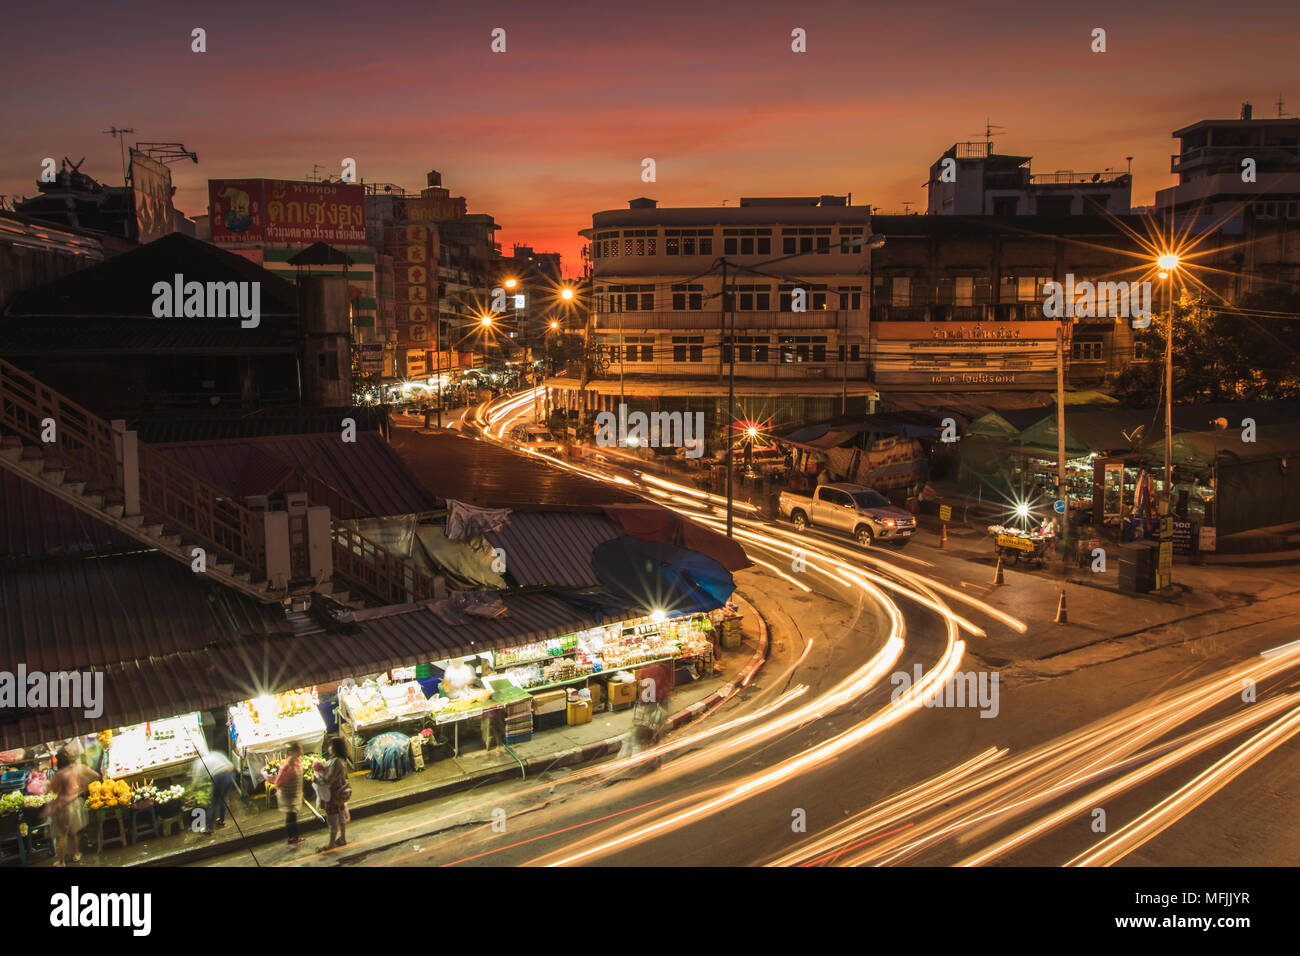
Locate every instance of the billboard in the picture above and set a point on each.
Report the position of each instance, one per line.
(151, 186)
(435, 208)
(287, 211)
(414, 249)
(963, 355)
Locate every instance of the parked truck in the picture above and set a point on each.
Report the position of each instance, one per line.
(852, 509)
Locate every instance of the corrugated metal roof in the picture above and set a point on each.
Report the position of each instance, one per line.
(76, 613)
(97, 335)
(367, 470)
(34, 524)
(552, 548)
(202, 678)
(487, 475)
(220, 424)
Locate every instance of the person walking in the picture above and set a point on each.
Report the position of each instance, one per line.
(67, 811)
(215, 768)
(338, 792)
(288, 792)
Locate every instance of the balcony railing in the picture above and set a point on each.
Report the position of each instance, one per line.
(1228, 158)
(607, 322)
(367, 566)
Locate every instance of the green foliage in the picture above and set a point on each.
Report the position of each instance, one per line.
(1249, 350)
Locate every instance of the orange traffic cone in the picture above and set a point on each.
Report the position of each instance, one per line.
(943, 538)
(997, 575)
(1061, 616)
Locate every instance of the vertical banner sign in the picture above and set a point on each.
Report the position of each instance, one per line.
(414, 248)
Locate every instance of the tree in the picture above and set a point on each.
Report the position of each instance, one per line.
(1243, 351)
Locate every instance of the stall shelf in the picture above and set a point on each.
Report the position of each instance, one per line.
(159, 749)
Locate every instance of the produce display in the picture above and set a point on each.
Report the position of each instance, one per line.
(148, 746)
(273, 719)
(108, 793)
(373, 702)
(536, 651)
(11, 802)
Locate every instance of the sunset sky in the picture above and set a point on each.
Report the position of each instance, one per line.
(555, 128)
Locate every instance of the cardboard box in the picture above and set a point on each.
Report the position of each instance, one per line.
(597, 696)
(622, 694)
(579, 712)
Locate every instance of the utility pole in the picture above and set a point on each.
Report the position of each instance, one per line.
(1063, 492)
(119, 134)
(729, 304)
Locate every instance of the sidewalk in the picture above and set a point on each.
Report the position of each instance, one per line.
(252, 823)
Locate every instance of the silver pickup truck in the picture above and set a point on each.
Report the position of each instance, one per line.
(861, 512)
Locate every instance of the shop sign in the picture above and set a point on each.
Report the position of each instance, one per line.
(370, 357)
(1207, 539)
(945, 512)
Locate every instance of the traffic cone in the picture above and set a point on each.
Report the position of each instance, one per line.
(1061, 616)
(997, 575)
(943, 538)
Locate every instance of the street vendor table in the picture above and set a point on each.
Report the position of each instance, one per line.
(252, 753)
(503, 694)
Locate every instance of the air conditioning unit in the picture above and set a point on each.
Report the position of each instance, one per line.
(257, 503)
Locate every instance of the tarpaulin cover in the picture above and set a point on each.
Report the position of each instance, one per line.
(659, 576)
(653, 523)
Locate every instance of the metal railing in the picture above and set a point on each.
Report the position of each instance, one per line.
(369, 567)
(84, 441)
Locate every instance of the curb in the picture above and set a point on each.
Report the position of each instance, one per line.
(308, 823)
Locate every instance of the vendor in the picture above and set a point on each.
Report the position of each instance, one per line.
(456, 680)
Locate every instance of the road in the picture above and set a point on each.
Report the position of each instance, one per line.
(1133, 750)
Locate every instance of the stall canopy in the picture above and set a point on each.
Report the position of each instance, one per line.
(655, 576)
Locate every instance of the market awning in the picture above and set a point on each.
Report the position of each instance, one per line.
(662, 577)
(653, 523)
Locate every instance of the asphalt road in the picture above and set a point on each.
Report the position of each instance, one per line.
(1132, 751)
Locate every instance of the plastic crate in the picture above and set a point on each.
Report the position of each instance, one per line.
(13, 780)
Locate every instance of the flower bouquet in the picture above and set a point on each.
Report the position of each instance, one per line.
(109, 795)
(144, 796)
(34, 807)
(169, 800)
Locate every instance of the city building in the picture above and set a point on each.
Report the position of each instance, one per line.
(798, 279)
(1235, 173)
(957, 304)
(969, 179)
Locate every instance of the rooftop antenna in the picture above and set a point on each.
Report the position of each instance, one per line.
(906, 203)
(1130, 164)
(120, 135)
(1279, 105)
(314, 175)
(989, 127)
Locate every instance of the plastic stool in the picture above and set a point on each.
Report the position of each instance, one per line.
(144, 823)
(119, 839)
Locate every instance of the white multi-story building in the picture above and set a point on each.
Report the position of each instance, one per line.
(659, 314)
(1233, 173)
(969, 179)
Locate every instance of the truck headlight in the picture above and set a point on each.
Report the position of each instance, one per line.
(890, 522)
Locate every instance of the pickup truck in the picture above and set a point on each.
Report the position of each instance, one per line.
(865, 514)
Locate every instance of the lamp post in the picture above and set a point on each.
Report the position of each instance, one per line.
(1164, 576)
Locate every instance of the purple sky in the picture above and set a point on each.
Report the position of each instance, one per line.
(556, 128)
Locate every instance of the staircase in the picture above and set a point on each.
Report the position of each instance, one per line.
(100, 469)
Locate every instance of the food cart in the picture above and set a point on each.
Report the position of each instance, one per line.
(261, 729)
(1014, 546)
(159, 749)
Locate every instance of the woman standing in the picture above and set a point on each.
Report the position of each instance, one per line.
(340, 792)
(288, 792)
(67, 811)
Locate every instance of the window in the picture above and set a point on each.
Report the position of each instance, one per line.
(964, 290)
(749, 348)
(328, 363)
(814, 296)
(802, 348)
(850, 297)
(749, 298)
(1086, 350)
(639, 348)
(805, 239)
(1005, 205)
(688, 297)
(833, 496)
(848, 235)
(632, 298)
(746, 242)
(901, 291)
(687, 242)
(855, 353)
(688, 348)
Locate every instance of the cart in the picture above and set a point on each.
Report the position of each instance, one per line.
(1021, 546)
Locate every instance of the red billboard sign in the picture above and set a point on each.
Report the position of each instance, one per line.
(235, 210)
(279, 210)
(414, 248)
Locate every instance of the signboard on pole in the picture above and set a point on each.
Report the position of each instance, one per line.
(151, 188)
(414, 248)
(945, 512)
(287, 211)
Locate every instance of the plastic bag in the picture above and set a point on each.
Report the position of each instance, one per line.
(36, 783)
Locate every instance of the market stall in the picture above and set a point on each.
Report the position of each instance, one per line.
(159, 749)
(261, 729)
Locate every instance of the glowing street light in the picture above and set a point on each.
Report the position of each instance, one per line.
(485, 321)
(555, 324)
(511, 283)
(566, 293)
